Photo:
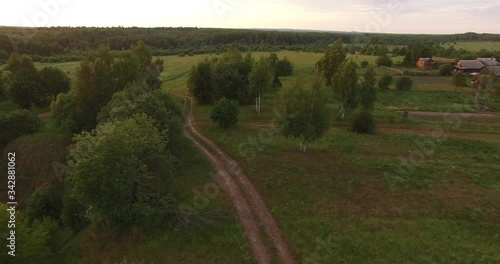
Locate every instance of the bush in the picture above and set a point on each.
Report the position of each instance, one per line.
(16, 124)
(460, 80)
(446, 70)
(24, 92)
(225, 113)
(404, 84)
(182, 54)
(54, 81)
(45, 203)
(364, 64)
(384, 61)
(363, 123)
(385, 82)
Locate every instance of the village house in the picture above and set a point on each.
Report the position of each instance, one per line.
(469, 66)
(426, 63)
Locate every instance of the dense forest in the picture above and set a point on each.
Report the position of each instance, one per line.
(69, 44)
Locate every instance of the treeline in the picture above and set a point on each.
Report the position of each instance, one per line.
(64, 43)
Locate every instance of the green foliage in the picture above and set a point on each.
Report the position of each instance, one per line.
(136, 99)
(64, 113)
(384, 60)
(363, 123)
(54, 81)
(3, 86)
(45, 203)
(415, 51)
(260, 77)
(34, 244)
(115, 171)
(364, 64)
(446, 70)
(73, 214)
(225, 113)
(17, 123)
(346, 88)
(404, 84)
(459, 80)
(328, 66)
(200, 82)
(284, 67)
(306, 114)
(385, 82)
(368, 91)
(230, 77)
(25, 92)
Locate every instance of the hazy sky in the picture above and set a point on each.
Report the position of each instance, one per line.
(399, 16)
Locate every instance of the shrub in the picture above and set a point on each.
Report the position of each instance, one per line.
(363, 123)
(364, 64)
(385, 82)
(24, 92)
(54, 81)
(404, 84)
(225, 113)
(446, 70)
(45, 203)
(459, 80)
(384, 61)
(16, 124)
(182, 54)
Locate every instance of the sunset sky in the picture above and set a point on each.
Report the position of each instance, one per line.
(398, 16)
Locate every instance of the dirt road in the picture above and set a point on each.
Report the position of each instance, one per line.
(266, 239)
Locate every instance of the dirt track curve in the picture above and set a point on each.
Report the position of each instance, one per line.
(260, 227)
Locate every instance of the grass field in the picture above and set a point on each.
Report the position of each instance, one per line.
(348, 189)
(474, 46)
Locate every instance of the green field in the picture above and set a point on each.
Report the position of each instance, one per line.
(346, 189)
(474, 46)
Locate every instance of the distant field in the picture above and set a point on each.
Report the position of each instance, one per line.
(474, 46)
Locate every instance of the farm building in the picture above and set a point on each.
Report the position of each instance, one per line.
(489, 61)
(469, 66)
(426, 63)
(494, 70)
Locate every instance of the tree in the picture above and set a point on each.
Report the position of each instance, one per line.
(150, 70)
(459, 80)
(446, 70)
(230, 77)
(25, 92)
(404, 84)
(368, 91)
(63, 111)
(45, 203)
(54, 81)
(17, 123)
(385, 82)
(345, 87)
(416, 50)
(200, 82)
(3, 86)
(328, 66)
(116, 172)
(284, 67)
(363, 123)
(384, 60)
(306, 114)
(260, 78)
(364, 64)
(224, 113)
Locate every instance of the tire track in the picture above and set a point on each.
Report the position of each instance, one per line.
(249, 205)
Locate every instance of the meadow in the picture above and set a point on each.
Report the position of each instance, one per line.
(348, 189)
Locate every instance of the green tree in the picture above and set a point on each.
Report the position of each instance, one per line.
(346, 88)
(404, 84)
(385, 82)
(446, 70)
(64, 113)
(368, 91)
(459, 80)
(200, 82)
(364, 64)
(284, 67)
(260, 78)
(25, 92)
(225, 113)
(17, 123)
(150, 69)
(3, 86)
(54, 81)
(328, 66)
(384, 60)
(363, 123)
(116, 171)
(306, 112)
(45, 203)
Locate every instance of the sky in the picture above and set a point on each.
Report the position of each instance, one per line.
(385, 16)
